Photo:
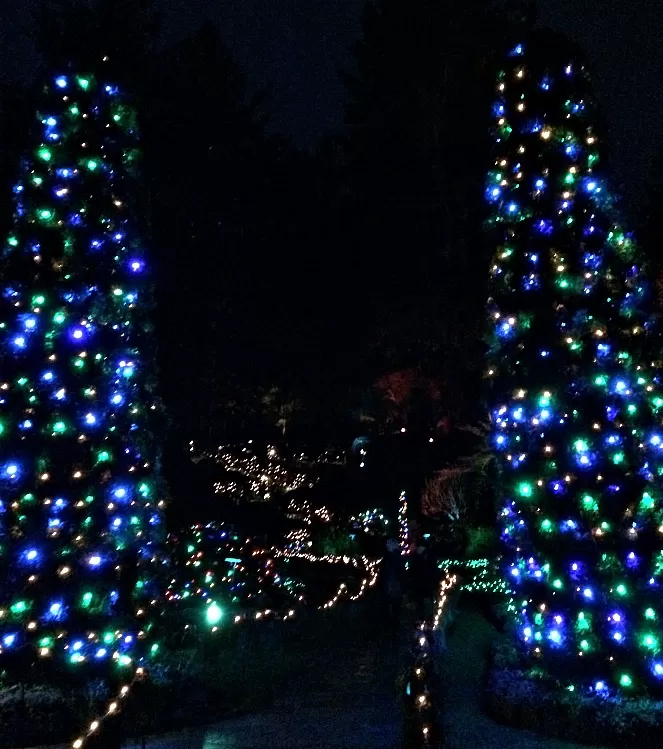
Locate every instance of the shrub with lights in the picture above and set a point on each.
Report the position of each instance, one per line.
(575, 398)
(80, 496)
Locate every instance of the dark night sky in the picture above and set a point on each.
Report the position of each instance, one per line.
(299, 45)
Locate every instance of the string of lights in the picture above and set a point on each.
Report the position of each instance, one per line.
(111, 710)
(403, 527)
(422, 711)
(225, 571)
(257, 476)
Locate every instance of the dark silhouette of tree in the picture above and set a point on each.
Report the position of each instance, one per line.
(650, 219)
(207, 149)
(125, 31)
(417, 145)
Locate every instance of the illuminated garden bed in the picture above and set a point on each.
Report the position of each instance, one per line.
(519, 697)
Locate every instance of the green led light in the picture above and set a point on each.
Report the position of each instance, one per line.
(650, 642)
(647, 502)
(621, 589)
(525, 489)
(589, 503)
(214, 614)
(44, 154)
(650, 614)
(83, 82)
(625, 680)
(20, 607)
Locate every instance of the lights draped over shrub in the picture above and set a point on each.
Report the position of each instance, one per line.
(575, 398)
(237, 580)
(80, 495)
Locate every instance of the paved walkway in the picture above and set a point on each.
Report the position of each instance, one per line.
(354, 706)
(348, 699)
(463, 667)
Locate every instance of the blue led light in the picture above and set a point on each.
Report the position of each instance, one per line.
(11, 470)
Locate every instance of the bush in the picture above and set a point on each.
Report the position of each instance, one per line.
(39, 715)
(516, 697)
(482, 542)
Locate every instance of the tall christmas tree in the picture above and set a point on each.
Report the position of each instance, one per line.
(575, 397)
(80, 495)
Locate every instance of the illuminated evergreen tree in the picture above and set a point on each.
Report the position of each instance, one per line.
(80, 495)
(575, 399)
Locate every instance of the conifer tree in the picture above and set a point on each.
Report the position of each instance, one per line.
(575, 398)
(81, 500)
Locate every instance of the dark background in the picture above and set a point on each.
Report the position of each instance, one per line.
(316, 236)
(300, 44)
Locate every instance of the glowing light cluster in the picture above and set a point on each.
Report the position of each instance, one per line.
(253, 477)
(230, 573)
(575, 398)
(372, 522)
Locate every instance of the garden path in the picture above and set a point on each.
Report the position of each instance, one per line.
(342, 699)
(349, 699)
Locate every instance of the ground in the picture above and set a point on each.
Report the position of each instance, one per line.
(345, 694)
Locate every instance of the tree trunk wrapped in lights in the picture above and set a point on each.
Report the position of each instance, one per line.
(81, 498)
(574, 395)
